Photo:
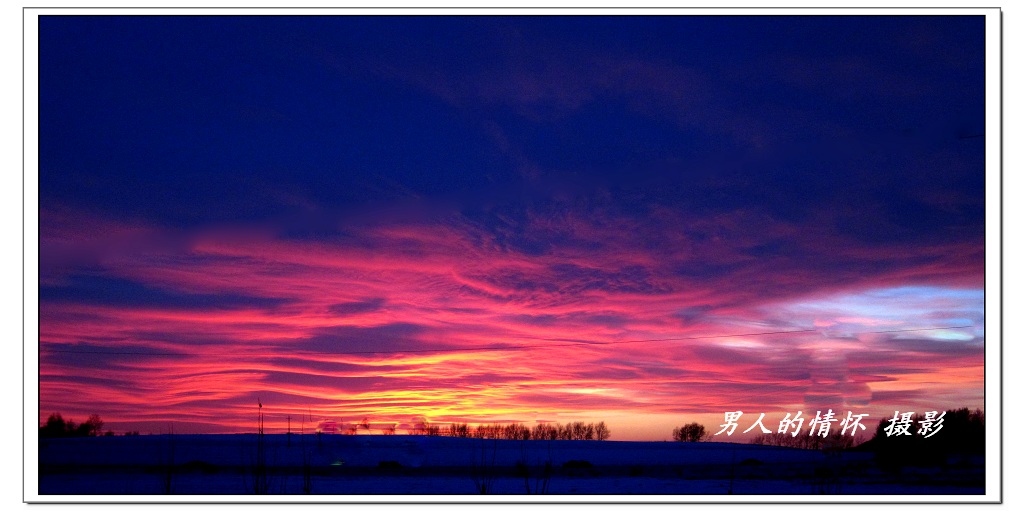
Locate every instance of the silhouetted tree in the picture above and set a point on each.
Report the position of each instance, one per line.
(95, 425)
(517, 431)
(693, 432)
(488, 431)
(544, 431)
(54, 427)
(601, 432)
(458, 430)
(82, 430)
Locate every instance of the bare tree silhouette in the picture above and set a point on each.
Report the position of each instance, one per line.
(693, 432)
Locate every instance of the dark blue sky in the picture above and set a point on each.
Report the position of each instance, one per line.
(192, 120)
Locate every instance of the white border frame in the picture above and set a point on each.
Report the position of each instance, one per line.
(993, 260)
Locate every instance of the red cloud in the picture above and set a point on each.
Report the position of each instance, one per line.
(444, 321)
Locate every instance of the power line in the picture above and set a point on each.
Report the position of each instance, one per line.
(508, 347)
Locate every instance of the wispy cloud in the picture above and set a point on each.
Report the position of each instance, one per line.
(441, 320)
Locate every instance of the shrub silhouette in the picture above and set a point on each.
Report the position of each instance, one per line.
(56, 427)
(693, 432)
(94, 426)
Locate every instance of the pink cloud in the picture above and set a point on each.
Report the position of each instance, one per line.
(397, 322)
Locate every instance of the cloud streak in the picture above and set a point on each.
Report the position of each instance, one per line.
(394, 322)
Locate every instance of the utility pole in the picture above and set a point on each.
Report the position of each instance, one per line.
(289, 431)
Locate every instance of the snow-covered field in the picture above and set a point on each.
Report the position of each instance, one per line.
(420, 465)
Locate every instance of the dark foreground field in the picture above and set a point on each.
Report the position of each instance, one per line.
(418, 465)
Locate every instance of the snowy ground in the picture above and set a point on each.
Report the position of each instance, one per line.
(417, 465)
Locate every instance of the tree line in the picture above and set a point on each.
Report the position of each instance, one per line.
(574, 431)
(695, 432)
(962, 434)
(806, 441)
(56, 426)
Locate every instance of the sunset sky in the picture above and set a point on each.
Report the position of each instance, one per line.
(640, 220)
